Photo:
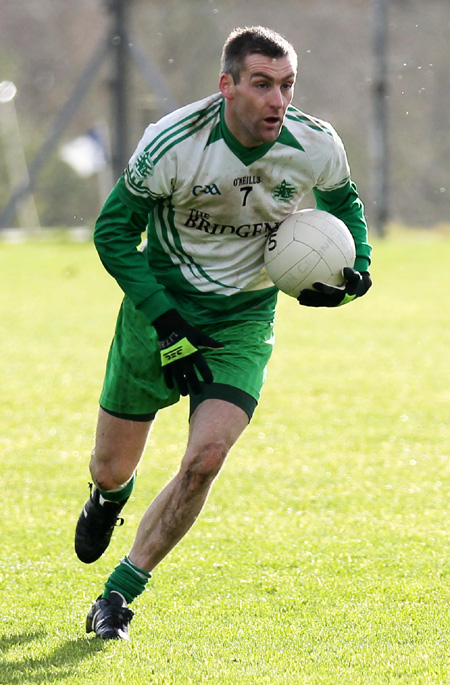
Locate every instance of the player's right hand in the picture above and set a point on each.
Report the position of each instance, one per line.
(180, 356)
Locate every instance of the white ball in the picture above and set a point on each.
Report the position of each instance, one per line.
(309, 246)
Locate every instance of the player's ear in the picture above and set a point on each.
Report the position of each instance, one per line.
(226, 84)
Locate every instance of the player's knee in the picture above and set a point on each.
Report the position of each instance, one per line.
(108, 474)
(201, 469)
(106, 480)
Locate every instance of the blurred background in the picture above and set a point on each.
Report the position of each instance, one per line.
(75, 72)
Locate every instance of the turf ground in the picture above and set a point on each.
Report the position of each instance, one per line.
(322, 555)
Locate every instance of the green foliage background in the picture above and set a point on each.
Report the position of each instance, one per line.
(45, 46)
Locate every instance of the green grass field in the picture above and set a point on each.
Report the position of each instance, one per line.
(322, 555)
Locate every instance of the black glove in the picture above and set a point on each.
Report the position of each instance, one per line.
(179, 342)
(356, 285)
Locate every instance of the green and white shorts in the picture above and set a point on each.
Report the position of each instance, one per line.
(134, 385)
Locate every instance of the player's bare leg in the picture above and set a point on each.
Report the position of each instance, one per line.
(215, 427)
(119, 446)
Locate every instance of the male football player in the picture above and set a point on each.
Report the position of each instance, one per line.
(208, 183)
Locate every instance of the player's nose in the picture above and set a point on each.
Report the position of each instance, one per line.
(276, 100)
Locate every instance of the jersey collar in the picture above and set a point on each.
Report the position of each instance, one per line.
(247, 155)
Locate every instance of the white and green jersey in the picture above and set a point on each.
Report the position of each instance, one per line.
(209, 204)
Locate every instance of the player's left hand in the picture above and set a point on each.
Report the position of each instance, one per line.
(357, 283)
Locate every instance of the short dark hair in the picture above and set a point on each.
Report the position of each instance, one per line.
(250, 40)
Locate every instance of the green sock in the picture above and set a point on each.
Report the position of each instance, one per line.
(128, 579)
(119, 494)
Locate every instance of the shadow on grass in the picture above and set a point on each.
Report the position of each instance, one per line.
(59, 665)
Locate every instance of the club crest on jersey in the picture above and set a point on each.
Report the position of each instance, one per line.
(284, 192)
(142, 168)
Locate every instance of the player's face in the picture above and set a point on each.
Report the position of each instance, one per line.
(255, 107)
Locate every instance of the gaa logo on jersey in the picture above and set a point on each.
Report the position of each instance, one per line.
(209, 189)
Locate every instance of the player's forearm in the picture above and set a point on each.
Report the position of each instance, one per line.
(346, 204)
(117, 236)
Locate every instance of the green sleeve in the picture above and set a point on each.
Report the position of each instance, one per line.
(117, 236)
(346, 204)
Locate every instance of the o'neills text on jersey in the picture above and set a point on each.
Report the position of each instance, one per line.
(203, 222)
(246, 180)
